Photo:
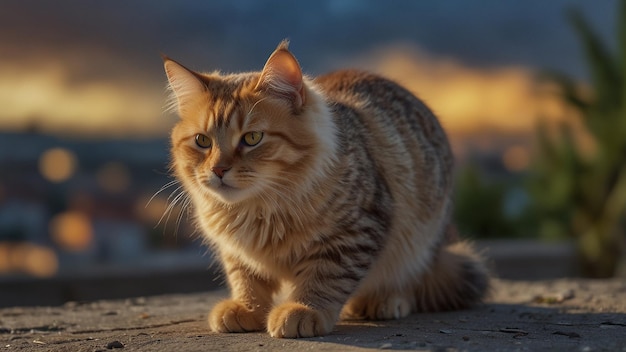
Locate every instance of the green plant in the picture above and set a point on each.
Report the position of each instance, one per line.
(584, 194)
(480, 206)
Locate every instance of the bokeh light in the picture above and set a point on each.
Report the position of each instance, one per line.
(39, 261)
(114, 177)
(151, 209)
(516, 158)
(28, 258)
(57, 164)
(72, 231)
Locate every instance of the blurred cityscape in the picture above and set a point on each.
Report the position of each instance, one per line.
(70, 205)
(84, 180)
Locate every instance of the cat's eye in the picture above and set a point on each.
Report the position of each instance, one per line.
(252, 138)
(203, 141)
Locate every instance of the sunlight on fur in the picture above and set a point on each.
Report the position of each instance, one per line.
(338, 187)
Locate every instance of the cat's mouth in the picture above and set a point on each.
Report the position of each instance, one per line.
(225, 186)
(226, 192)
(215, 184)
(219, 186)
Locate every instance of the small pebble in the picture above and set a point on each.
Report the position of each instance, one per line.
(114, 344)
(386, 346)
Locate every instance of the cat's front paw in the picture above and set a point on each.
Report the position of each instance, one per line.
(293, 320)
(392, 307)
(234, 316)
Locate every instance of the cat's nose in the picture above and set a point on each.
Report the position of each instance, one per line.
(220, 170)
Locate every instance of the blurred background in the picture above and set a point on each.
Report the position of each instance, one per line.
(531, 94)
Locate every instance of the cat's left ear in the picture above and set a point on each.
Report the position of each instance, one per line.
(185, 84)
(282, 76)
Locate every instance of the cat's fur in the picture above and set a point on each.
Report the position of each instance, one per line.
(345, 202)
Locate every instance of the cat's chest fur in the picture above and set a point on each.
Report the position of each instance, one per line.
(266, 239)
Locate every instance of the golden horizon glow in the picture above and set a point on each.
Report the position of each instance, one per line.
(43, 97)
(468, 99)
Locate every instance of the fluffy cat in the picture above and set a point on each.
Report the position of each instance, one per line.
(336, 190)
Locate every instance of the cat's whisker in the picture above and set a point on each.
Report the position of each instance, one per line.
(177, 194)
(175, 202)
(178, 189)
(166, 186)
(185, 204)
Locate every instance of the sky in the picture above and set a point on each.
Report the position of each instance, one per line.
(93, 67)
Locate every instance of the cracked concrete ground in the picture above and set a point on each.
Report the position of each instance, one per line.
(573, 315)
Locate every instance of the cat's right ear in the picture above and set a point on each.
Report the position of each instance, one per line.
(282, 76)
(184, 83)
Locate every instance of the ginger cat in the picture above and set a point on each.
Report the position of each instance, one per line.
(335, 189)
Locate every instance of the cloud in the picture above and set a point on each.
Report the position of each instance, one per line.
(48, 95)
(466, 98)
(43, 96)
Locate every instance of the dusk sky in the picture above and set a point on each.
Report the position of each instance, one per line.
(93, 67)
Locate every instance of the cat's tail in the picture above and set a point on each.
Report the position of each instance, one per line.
(457, 278)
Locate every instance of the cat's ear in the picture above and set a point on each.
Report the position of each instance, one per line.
(282, 76)
(184, 83)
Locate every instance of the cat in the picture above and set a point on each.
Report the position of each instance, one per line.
(335, 190)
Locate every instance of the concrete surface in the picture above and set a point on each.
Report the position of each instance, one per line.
(572, 315)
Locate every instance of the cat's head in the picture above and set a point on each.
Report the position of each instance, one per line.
(249, 136)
